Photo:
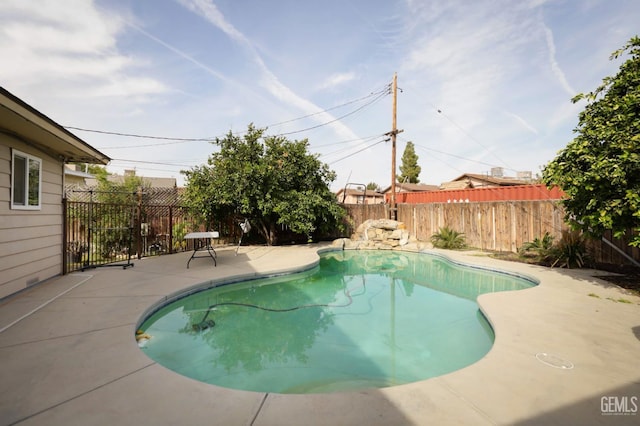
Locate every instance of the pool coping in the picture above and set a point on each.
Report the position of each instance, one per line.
(249, 278)
(63, 365)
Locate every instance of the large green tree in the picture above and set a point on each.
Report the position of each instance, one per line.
(600, 169)
(270, 180)
(114, 191)
(409, 169)
(372, 186)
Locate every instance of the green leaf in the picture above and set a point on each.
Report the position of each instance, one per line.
(599, 169)
(269, 179)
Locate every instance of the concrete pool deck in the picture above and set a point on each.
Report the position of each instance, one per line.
(68, 355)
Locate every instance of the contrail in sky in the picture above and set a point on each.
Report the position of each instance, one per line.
(208, 10)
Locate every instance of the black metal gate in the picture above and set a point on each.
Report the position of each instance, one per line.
(111, 228)
(97, 234)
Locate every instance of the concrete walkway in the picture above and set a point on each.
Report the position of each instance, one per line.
(68, 355)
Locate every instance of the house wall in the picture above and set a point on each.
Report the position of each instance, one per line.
(357, 199)
(30, 241)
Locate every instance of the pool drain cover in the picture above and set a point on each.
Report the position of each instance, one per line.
(554, 361)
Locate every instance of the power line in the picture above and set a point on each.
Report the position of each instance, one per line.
(366, 138)
(175, 140)
(331, 109)
(131, 135)
(544, 195)
(152, 144)
(174, 172)
(380, 96)
(463, 130)
(454, 155)
(348, 148)
(466, 133)
(151, 162)
(211, 140)
(358, 151)
(191, 165)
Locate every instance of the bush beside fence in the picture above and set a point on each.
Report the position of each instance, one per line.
(496, 226)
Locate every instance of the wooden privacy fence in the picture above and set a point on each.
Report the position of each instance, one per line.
(359, 213)
(496, 226)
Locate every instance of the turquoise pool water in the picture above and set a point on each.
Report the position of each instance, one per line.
(360, 319)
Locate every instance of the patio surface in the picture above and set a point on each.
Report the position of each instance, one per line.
(68, 355)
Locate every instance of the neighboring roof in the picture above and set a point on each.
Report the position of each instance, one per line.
(457, 184)
(31, 126)
(349, 191)
(412, 187)
(342, 194)
(152, 182)
(491, 179)
(160, 182)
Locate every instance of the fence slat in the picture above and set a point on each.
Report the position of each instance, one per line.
(98, 233)
(496, 225)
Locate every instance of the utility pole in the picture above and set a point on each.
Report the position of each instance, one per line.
(393, 210)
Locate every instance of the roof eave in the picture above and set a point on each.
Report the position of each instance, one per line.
(24, 122)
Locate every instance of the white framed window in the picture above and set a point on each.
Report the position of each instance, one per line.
(26, 181)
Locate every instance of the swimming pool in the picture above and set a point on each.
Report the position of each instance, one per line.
(361, 319)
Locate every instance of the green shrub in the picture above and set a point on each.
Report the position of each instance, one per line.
(570, 251)
(179, 231)
(540, 248)
(447, 238)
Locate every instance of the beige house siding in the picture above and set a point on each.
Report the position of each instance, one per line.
(30, 240)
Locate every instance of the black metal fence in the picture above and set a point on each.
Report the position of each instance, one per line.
(97, 234)
(112, 228)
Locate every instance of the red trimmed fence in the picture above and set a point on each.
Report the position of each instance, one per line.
(475, 195)
(495, 225)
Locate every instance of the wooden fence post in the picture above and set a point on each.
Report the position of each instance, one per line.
(502, 226)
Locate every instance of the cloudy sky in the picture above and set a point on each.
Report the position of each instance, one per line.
(484, 83)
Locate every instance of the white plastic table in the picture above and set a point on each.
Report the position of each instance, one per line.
(203, 245)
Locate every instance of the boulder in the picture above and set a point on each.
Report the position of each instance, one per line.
(380, 234)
